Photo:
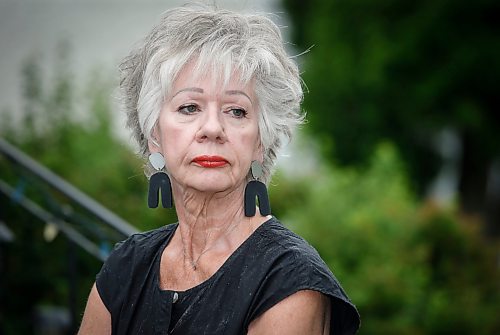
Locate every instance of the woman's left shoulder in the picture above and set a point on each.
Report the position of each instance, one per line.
(284, 241)
(297, 266)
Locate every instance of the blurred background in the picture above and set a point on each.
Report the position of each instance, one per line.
(398, 185)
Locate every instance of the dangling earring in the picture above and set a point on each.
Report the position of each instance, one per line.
(159, 182)
(257, 189)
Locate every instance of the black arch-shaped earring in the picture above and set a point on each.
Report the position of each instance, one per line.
(159, 182)
(257, 189)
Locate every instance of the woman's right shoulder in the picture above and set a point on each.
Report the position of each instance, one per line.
(137, 251)
(129, 260)
(144, 241)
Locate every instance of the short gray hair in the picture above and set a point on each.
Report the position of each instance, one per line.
(219, 40)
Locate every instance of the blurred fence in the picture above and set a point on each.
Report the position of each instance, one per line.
(63, 209)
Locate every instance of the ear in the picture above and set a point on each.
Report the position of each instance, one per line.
(154, 142)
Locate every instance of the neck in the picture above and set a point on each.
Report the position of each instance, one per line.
(210, 223)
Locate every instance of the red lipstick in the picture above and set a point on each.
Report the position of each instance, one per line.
(210, 161)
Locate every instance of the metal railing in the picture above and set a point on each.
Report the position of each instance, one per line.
(93, 232)
(63, 209)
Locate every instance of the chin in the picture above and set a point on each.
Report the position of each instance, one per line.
(211, 188)
(211, 184)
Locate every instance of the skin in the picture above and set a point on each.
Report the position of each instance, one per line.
(199, 118)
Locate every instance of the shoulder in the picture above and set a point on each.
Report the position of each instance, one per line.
(129, 257)
(137, 248)
(287, 246)
(297, 266)
(148, 239)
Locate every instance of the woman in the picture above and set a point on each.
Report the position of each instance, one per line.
(212, 96)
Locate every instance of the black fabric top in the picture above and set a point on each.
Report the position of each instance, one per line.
(270, 265)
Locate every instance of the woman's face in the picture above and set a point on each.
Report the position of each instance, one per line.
(208, 133)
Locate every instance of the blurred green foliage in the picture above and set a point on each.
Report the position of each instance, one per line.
(385, 78)
(411, 267)
(405, 71)
(70, 132)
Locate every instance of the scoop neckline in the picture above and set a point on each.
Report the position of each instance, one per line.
(217, 273)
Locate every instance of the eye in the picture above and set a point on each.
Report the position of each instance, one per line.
(238, 112)
(188, 109)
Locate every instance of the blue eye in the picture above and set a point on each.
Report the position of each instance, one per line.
(238, 112)
(188, 109)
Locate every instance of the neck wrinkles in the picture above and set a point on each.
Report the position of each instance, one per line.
(210, 222)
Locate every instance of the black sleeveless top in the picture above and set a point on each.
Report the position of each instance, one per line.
(272, 264)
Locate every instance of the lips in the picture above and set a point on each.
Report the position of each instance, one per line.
(210, 161)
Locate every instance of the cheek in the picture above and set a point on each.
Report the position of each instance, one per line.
(172, 139)
(250, 143)
(170, 133)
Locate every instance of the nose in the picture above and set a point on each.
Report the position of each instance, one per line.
(211, 127)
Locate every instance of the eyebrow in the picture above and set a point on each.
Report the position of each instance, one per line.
(237, 92)
(200, 90)
(189, 89)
